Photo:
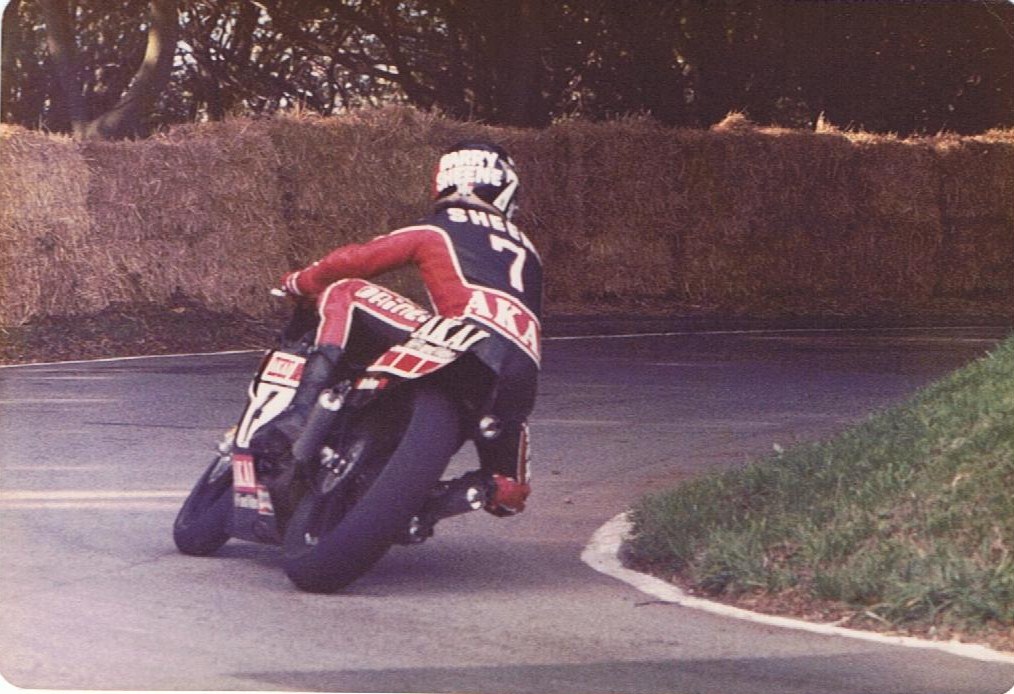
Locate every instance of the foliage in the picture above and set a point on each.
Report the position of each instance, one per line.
(906, 517)
(901, 67)
(88, 84)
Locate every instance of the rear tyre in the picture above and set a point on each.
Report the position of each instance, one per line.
(200, 526)
(393, 455)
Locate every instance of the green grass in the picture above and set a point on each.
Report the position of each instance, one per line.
(908, 516)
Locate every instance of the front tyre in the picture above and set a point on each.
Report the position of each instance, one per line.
(391, 459)
(200, 525)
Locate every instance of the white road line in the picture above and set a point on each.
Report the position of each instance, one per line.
(118, 505)
(106, 360)
(582, 422)
(53, 401)
(602, 554)
(776, 332)
(47, 467)
(88, 494)
(681, 424)
(83, 377)
(564, 338)
(83, 499)
(689, 364)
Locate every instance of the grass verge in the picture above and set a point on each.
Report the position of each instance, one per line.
(905, 522)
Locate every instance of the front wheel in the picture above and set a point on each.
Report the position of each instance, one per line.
(391, 457)
(200, 526)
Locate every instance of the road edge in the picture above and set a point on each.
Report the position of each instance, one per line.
(602, 553)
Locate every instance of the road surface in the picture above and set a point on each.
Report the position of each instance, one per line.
(97, 457)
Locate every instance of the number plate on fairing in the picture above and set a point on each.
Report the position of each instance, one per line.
(248, 493)
(244, 478)
(283, 369)
(270, 393)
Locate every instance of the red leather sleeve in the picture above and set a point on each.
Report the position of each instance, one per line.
(427, 247)
(359, 260)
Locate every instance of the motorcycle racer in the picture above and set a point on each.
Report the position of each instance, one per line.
(477, 266)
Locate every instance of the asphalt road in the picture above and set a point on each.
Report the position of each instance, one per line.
(96, 458)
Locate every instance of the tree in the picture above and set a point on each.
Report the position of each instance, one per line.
(113, 104)
(481, 59)
(908, 67)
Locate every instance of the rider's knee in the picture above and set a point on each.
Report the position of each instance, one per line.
(340, 294)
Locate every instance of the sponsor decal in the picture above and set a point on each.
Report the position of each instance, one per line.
(264, 506)
(508, 317)
(371, 383)
(392, 303)
(468, 167)
(245, 501)
(434, 344)
(525, 455)
(244, 479)
(406, 362)
(447, 333)
(284, 369)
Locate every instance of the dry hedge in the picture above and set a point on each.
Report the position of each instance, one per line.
(198, 215)
(45, 228)
(736, 218)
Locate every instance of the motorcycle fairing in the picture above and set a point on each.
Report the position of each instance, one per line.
(435, 344)
(270, 392)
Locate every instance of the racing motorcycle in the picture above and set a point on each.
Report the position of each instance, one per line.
(365, 472)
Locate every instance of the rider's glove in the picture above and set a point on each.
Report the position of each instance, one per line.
(289, 285)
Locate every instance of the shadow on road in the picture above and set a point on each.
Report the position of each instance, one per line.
(853, 674)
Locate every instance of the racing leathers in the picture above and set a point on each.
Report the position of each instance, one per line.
(476, 266)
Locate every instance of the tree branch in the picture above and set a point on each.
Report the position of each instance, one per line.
(124, 119)
(63, 52)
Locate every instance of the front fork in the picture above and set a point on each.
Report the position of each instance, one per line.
(320, 423)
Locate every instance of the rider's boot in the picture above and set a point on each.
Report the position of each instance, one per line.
(274, 440)
(497, 494)
(508, 497)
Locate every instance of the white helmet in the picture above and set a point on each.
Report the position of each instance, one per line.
(477, 172)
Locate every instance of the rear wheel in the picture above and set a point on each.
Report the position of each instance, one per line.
(391, 457)
(200, 526)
